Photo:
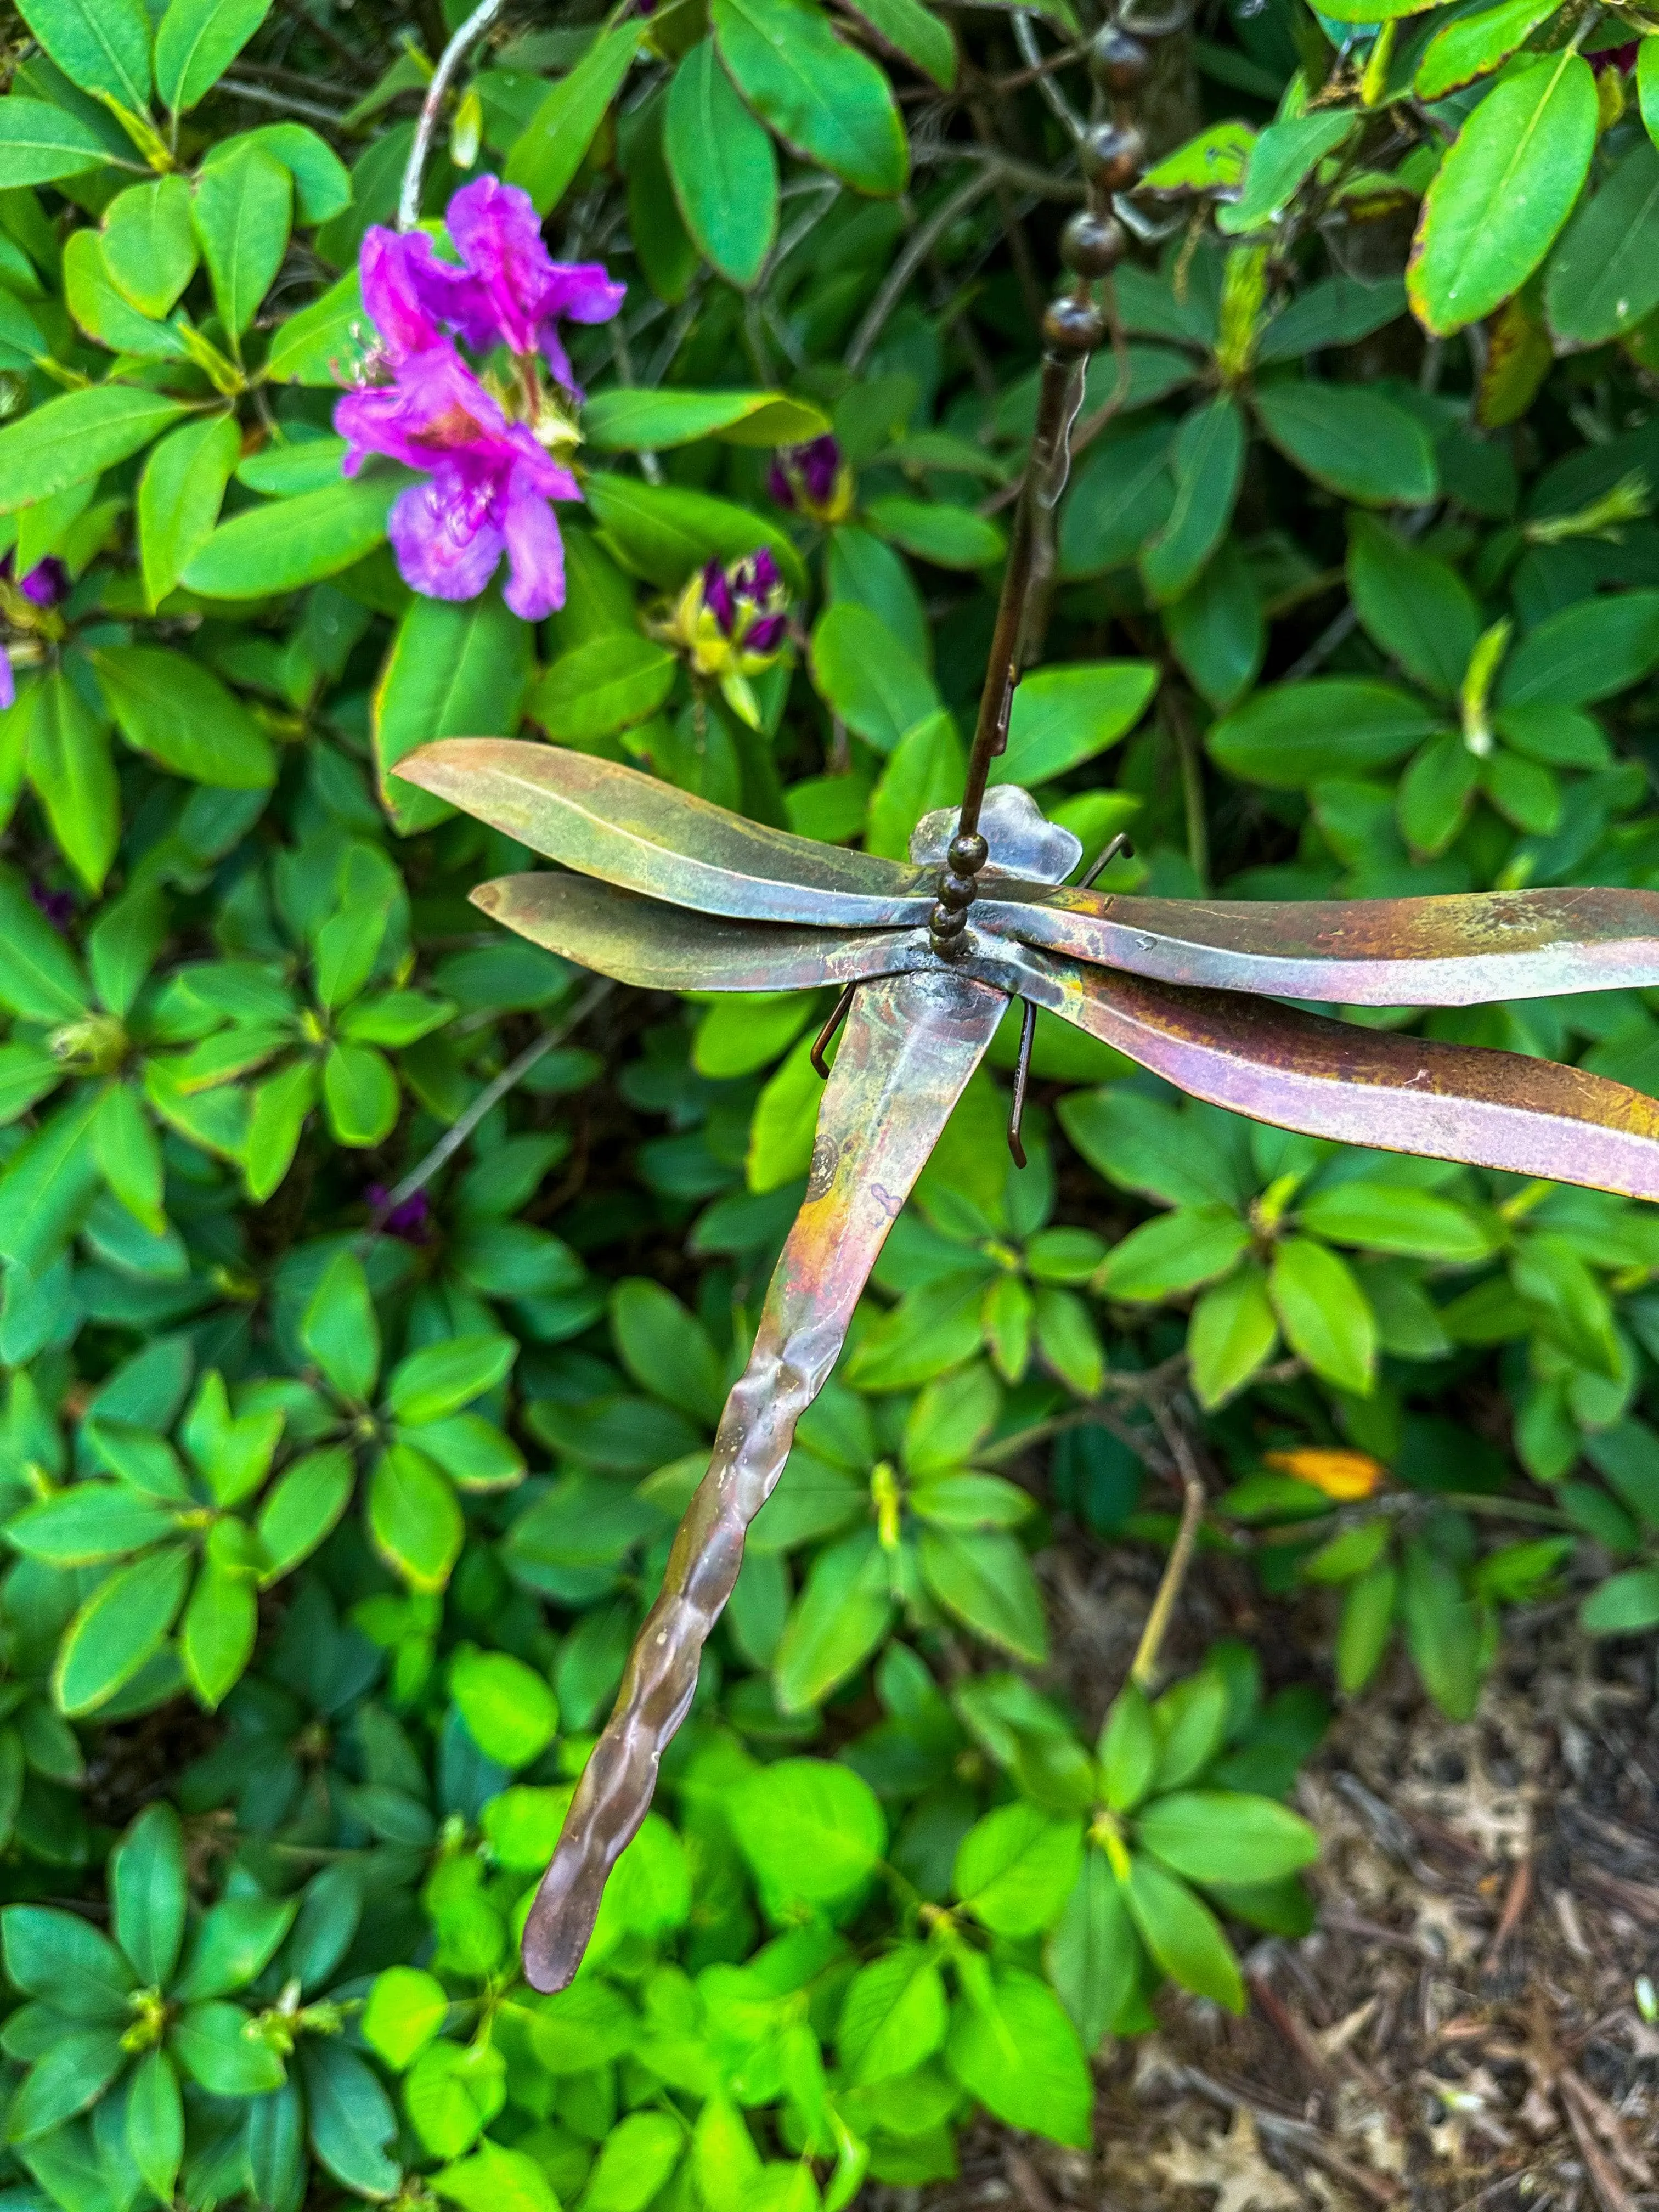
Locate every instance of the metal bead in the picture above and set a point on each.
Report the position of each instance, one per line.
(957, 891)
(1092, 245)
(1114, 154)
(969, 854)
(1074, 325)
(945, 924)
(1118, 61)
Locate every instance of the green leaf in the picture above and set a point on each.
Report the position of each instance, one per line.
(49, 1186)
(1624, 1605)
(1232, 1332)
(310, 347)
(1413, 606)
(39, 143)
(72, 438)
(510, 1713)
(867, 678)
(666, 532)
(303, 1506)
(89, 1522)
(608, 685)
(1175, 1253)
(216, 1637)
(197, 42)
(1016, 1868)
(101, 45)
(179, 496)
(634, 2163)
(67, 757)
(60, 1957)
(1121, 494)
(1584, 651)
(40, 979)
(631, 419)
(104, 312)
(1445, 1631)
(1353, 442)
(667, 1350)
(1508, 182)
(149, 1894)
(1601, 279)
(210, 2042)
(1383, 1217)
(456, 669)
(924, 771)
(170, 708)
(339, 1329)
(121, 1625)
(894, 2016)
(1014, 2048)
(1092, 1956)
(827, 102)
(917, 34)
(722, 166)
(1064, 716)
(155, 2123)
(495, 2179)
(352, 2121)
(233, 1944)
(1472, 46)
(947, 535)
(404, 2009)
(149, 244)
(1208, 459)
(360, 1095)
(72, 2074)
(984, 1579)
(1191, 1719)
(1216, 630)
(279, 1108)
(1324, 1313)
(1182, 1934)
(287, 542)
(548, 151)
(1226, 1836)
(243, 210)
(1292, 735)
(441, 1378)
(839, 1619)
(1363, 1633)
(812, 1832)
(414, 1518)
(1284, 154)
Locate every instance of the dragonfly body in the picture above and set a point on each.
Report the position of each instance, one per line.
(671, 893)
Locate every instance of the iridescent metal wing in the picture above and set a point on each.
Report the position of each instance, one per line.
(668, 948)
(1468, 948)
(646, 835)
(910, 1045)
(1329, 1078)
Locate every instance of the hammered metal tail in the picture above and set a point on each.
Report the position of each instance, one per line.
(910, 1045)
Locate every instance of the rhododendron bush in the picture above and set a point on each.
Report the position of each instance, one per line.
(657, 387)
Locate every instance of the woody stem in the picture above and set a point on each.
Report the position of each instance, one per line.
(409, 199)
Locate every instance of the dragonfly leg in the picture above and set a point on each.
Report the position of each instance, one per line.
(1021, 1077)
(1118, 848)
(826, 1035)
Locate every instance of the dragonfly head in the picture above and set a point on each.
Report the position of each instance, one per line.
(1022, 841)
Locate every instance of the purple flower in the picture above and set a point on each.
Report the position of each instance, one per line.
(410, 1223)
(47, 584)
(513, 290)
(58, 907)
(811, 479)
(486, 491)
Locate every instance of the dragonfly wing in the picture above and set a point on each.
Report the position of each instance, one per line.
(646, 835)
(1329, 1078)
(664, 948)
(1464, 950)
(910, 1044)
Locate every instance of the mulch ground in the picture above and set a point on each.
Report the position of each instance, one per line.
(1465, 2025)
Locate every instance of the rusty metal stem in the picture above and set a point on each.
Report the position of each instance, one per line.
(1057, 399)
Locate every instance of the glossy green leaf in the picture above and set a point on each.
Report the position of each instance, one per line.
(825, 99)
(101, 45)
(287, 542)
(196, 43)
(548, 152)
(723, 167)
(76, 436)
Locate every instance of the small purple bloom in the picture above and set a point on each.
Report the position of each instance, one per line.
(487, 492)
(767, 634)
(513, 289)
(58, 907)
(807, 476)
(47, 584)
(410, 1223)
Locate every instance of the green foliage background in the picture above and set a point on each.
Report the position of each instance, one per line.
(330, 1510)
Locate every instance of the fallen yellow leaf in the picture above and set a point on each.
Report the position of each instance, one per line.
(1340, 1474)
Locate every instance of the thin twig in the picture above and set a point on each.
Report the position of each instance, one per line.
(491, 1096)
(1025, 176)
(1031, 53)
(408, 200)
(917, 247)
(285, 103)
(1145, 1668)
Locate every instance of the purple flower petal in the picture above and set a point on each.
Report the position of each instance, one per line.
(47, 584)
(535, 550)
(8, 681)
(718, 597)
(778, 486)
(820, 466)
(758, 577)
(447, 542)
(525, 291)
(767, 634)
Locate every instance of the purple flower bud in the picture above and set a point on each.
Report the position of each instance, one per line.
(409, 1223)
(1622, 59)
(718, 599)
(8, 681)
(58, 907)
(767, 634)
(47, 584)
(758, 577)
(778, 487)
(819, 464)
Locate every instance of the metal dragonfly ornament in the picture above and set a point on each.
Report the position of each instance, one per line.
(668, 892)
